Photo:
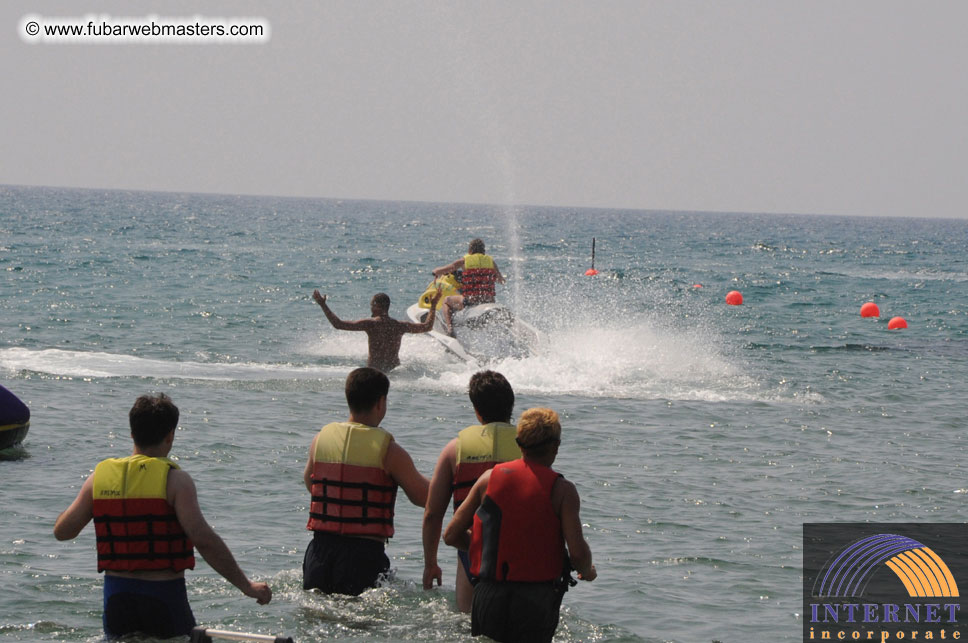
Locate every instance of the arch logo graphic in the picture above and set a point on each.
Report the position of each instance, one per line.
(883, 581)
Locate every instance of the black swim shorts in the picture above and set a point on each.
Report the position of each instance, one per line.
(156, 608)
(343, 564)
(511, 612)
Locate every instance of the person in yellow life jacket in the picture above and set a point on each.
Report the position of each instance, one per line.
(480, 272)
(516, 523)
(146, 522)
(352, 474)
(475, 450)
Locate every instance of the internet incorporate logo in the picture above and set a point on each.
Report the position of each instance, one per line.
(883, 582)
(922, 571)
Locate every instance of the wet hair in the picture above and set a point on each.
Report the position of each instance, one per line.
(364, 388)
(382, 300)
(492, 396)
(539, 431)
(475, 247)
(151, 419)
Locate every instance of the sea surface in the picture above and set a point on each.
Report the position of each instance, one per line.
(700, 436)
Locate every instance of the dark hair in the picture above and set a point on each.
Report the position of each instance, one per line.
(152, 418)
(475, 247)
(364, 388)
(381, 299)
(492, 396)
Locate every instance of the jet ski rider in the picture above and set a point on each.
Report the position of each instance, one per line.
(477, 281)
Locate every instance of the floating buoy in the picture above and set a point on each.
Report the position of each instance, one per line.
(697, 285)
(591, 272)
(870, 309)
(734, 298)
(896, 323)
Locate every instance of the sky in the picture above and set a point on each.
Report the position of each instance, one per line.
(821, 107)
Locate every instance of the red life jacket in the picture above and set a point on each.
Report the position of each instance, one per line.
(136, 528)
(479, 448)
(516, 534)
(352, 494)
(477, 279)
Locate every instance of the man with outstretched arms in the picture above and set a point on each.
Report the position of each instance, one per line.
(479, 273)
(475, 450)
(146, 519)
(516, 523)
(353, 472)
(384, 334)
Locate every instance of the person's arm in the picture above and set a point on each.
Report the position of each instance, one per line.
(437, 500)
(449, 268)
(308, 471)
(184, 498)
(400, 466)
(458, 531)
(73, 519)
(564, 498)
(427, 324)
(500, 277)
(338, 323)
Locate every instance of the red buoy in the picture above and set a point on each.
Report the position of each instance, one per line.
(896, 323)
(870, 309)
(591, 272)
(734, 298)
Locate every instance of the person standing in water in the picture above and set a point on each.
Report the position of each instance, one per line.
(516, 523)
(384, 334)
(480, 272)
(146, 521)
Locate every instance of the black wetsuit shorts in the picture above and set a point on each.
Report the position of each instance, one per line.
(156, 608)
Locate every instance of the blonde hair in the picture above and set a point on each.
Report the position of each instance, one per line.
(538, 428)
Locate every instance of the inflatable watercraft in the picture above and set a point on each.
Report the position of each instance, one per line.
(481, 332)
(14, 419)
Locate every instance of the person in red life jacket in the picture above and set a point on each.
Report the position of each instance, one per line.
(515, 522)
(146, 521)
(384, 334)
(475, 450)
(353, 472)
(477, 281)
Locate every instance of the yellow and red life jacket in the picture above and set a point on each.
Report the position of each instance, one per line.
(477, 279)
(352, 494)
(479, 448)
(516, 535)
(135, 526)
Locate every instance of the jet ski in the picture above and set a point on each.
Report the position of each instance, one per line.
(481, 332)
(14, 419)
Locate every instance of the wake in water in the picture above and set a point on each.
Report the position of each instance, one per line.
(588, 351)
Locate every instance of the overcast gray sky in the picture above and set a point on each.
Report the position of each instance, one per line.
(839, 107)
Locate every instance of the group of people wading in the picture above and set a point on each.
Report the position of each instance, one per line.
(516, 522)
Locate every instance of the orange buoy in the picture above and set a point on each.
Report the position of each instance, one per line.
(870, 309)
(591, 272)
(734, 298)
(896, 323)
(697, 285)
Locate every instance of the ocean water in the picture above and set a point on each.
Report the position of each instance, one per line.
(700, 436)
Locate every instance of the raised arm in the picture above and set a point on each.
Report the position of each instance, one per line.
(427, 324)
(73, 519)
(449, 268)
(183, 496)
(564, 498)
(400, 466)
(458, 531)
(338, 323)
(437, 500)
